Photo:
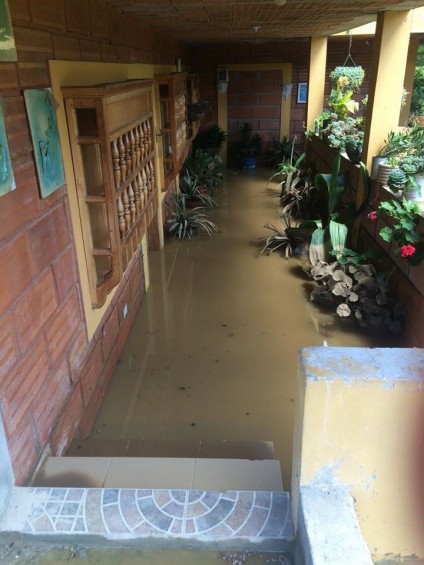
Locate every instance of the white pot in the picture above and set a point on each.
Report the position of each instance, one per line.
(376, 160)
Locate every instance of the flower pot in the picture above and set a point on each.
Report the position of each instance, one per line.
(249, 163)
(376, 161)
(383, 173)
(412, 194)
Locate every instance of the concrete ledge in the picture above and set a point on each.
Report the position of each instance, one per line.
(157, 518)
(328, 532)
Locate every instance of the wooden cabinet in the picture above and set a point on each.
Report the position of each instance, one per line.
(195, 106)
(111, 135)
(172, 95)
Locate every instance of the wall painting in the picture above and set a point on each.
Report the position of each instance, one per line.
(7, 42)
(7, 182)
(41, 109)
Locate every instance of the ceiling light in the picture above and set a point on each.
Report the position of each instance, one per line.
(280, 2)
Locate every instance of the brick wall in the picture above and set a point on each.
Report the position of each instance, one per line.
(255, 98)
(51, 378)
(207, 58)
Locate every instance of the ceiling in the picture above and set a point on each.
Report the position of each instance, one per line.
(200, 21)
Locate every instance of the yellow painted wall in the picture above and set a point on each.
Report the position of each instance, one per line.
(286, 77)
(73, 73)
(366, 434)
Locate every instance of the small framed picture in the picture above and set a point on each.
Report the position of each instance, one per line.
(302, 93)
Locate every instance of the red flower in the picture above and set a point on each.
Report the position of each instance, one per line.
(407, 250)
(372, 215)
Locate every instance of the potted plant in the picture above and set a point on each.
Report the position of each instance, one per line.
(210, 140)
(194, 193)
(184, 222)
(346, 135)
(413, 166)
(249, 146)
(353, 77)
(403, 231)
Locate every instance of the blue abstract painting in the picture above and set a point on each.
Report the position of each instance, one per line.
(41, 111)
(7, 182)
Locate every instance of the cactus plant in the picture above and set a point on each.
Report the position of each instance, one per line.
(397, 180)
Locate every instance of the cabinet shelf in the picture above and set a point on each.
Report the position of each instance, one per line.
(110, 130)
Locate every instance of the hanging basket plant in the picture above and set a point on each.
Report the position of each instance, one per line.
(355, 76)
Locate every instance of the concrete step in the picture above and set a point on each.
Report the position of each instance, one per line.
(220, 449)
(161, 473)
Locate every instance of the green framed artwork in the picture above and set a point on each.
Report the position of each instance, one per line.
(41, 109)
(7, 42)
(7, 182)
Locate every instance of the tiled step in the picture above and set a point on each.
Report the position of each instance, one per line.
(154, 518)
(161, 473)
(221, 449)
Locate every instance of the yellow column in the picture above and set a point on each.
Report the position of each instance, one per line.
(223, 120)
(386, 80)
(316, 86)
(409, 78)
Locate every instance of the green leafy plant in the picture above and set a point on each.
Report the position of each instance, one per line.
(344, 133)
(354, 77)
(283, 151)
(192, 191)
(205, 168)
(405, 215)
(249, 144)
(210, 140)
(184, 222)
(398, 180)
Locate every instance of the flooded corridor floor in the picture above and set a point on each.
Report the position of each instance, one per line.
(213, 352)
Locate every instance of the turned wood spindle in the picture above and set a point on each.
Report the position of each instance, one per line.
(149, 136)
(127, 213)
(115, 162)
(145, 185)
(127, 152)
(121, 219)
(132, 202)
(133, 153)
(137, 200)
(151, 176)
(140, 189)
(122, 162)
(142, 146)
(145, 140)
(137, 145)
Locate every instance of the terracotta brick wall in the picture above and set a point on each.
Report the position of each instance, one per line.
(255, 98)
(208, 58)
(51, 378)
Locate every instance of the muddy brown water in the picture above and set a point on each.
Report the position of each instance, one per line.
(213, 352)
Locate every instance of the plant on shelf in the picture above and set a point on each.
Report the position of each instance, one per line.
(184, 222)
(249, 146)
(210, 140)
(345, 135)
(195, 193)
(405, 216)
(356, 290)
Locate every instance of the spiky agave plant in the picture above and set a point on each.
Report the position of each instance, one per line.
(279, 240)
(184, 222)
(192, 191)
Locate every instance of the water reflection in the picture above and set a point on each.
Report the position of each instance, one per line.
(213, 352)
